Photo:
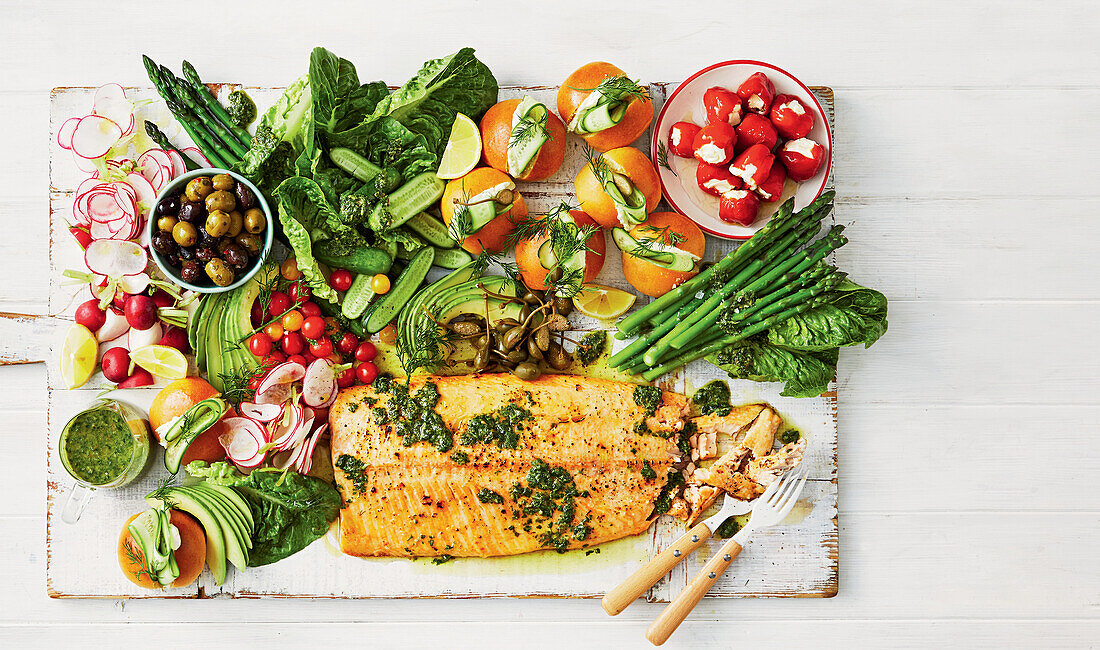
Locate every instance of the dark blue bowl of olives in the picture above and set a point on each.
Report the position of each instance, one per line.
(210, 230)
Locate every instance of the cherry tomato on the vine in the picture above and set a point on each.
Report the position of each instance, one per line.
(293, 343)
(366, 372)
(260, 344)
(297, 358)
(292, 320)
(289, 270)
(279, 303)
(340, 279)
(380, 284)
(321, 348)
(348, 343)
(274, 331)
(299, 292)
(366, 351)
(310, 308)
(313, 328)
(343, 380)
(275, 358)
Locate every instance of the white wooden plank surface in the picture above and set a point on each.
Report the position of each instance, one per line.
(936, 442)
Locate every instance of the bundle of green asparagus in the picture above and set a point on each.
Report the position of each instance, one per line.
(215, 133)
(778, 274)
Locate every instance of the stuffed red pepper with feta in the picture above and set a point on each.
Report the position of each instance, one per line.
(715, 143)
(681, 139)
(758, 93)
(739, 206)
(756, 129)
(716, 179)
(753, 165)
(791, 117)
(772, 187)
(803, 158)
(723, 105)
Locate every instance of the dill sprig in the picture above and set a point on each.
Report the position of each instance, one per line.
(529, 128)
(665, 236)
(662, 157)
(598, 164)
(537, 225)
(462, 223)
(619, 88)
(235, 383)
(427, 348)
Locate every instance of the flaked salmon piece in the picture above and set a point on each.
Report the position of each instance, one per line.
(761, 435)
(769, 468)
(732, 424)
(418, 501)
(699, 498)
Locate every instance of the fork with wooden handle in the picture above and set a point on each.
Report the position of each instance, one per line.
(770, 509)
(633, 587)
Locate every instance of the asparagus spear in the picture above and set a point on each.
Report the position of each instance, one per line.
(688, 356)
(212, 104)
(157, 136)
(197, 133)
(628, 354)
(187, 96)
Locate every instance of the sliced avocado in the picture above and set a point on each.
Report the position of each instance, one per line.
(181, 499)
(235, 516)
(235, 549)
(236, 500)
(407, 318)
(498, 309)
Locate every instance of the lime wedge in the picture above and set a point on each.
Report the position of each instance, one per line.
(161, 361)
(463, 149)
(78, 356)
(603, 303)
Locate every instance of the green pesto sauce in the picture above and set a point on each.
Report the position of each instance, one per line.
(591, 346)
(242, 110)
(648, 397)
(354, 470)
(727, 528)
(714, 397)
(459, 457)
(414, 416)
(548, 504)
(648, 473)
(664, 499)
(98, 446)
(501, 427)
(789, 436)
(485, 495)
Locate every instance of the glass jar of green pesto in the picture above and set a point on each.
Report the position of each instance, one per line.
(106, 446)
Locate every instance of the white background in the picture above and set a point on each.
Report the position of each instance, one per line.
(966, 165)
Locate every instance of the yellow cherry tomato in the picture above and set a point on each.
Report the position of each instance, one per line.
(388, 335)
(380, 284)
(289, 270)
(292, 320)
(274, 331)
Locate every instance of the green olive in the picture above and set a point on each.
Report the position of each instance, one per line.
(221, 200)
(198, 189)
(250, 242)
(184, 233)
(255, 221)
(236, 223)
(217, 270)
(166, 223)
(217, 223)
(527, 371)
(223, 182)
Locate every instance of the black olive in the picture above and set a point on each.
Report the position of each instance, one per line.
(173, 260)
(163, 243)
(245, 198)
(205, 238)
(169, 206)
(251, 242)
(190, 271)
(186, 253)
(205, 253)
(235, 255)
(192, 212)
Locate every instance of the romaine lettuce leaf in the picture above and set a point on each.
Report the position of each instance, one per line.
(852, 315)
(807, 374)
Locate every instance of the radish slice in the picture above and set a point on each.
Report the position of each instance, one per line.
(86, 165)
(274, 387)
(115, 258)
(65, 133)
(242, 441)
(132, 284)
(198, 156)
(285, 429)
(110, 102)
(114, 326)
(260, 412)
(179, 168)
(319, 383)
(141, 338)
(94, 136)
(306, 461)
(146, 193)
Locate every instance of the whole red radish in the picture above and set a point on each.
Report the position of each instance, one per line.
(141, 377)
(162, 299)
(90, 315)
(141, 312)
(115, 364)
(175, 337)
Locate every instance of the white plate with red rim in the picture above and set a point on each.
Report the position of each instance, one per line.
(685, 104)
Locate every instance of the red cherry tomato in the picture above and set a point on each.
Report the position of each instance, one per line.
(293, 343)
(332, 328)
(348, 343)
(257, 314)
(297, 358)
(681, 137)
(260, 344)
(344, 379)
(366, 372)
(321, 348)
(309, 309)
(715, 143)
(292, 320)
(366, 351)
(275, 358)
(280, 302)
(313, 328)
(254, 383)
(340, 279)
(335, 358)
(299, 292)
(723, 106)
(309, 358)
(274, 331)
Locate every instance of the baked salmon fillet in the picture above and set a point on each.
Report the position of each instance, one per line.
(488, 465)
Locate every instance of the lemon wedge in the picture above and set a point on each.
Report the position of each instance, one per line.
(603, 303)
(78, 356)
(463, 150)
(161, 361)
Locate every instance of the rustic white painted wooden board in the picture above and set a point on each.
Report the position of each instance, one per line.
(799, 559)
(984, 472)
